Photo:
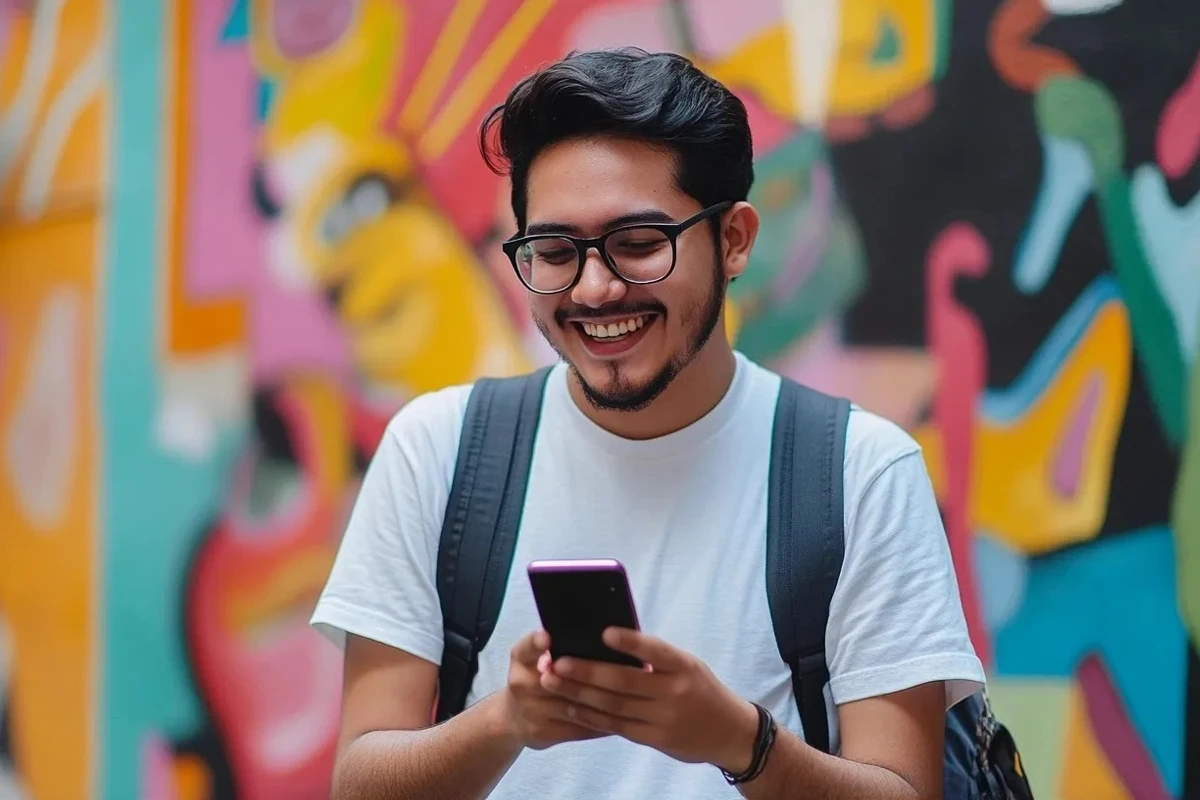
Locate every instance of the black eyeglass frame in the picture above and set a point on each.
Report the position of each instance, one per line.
(671, 230)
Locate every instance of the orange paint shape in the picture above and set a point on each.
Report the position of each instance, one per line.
(193, 326)
(1086, 773)
(47, 284)
(58, 155)
(47, 584)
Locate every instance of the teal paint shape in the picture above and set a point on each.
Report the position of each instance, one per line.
(887, 46)
(237, 23)
(153, 504)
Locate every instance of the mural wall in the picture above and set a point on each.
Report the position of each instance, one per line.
(237, 235)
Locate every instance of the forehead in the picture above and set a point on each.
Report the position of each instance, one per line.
(583, 182)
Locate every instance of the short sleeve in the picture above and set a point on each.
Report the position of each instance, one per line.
(382, 585)
(896, 620)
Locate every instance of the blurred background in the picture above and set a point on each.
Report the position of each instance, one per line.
(236, 235)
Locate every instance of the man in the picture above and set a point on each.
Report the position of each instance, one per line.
(653, 449)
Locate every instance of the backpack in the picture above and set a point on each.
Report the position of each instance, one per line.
(805, 548)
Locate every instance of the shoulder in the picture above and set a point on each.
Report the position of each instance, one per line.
(428, 426)
(873, 442)
(877, 450)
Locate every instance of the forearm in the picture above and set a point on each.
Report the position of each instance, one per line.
(795, 770)
(462, 758)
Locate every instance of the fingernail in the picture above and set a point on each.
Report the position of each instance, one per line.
(563, 666)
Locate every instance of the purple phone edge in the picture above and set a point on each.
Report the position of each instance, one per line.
(544, 566)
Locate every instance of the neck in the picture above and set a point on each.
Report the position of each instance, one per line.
(695, 391)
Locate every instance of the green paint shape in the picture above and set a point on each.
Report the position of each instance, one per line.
(1155, 339)
(1079, 108)
(780, 309)
(944, 17)
(887, 47)
(1185, 516)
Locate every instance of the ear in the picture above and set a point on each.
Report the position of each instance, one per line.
(739, 228)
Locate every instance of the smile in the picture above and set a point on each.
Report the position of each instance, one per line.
(607, 340)
(614, 330)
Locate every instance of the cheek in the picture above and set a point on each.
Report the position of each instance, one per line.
(542, 309)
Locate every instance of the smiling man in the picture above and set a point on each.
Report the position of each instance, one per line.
(630, 174)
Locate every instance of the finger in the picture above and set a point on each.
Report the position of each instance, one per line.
(584, 716)
(611, 703)
(664, 657)
(612, 677)
(530, 647)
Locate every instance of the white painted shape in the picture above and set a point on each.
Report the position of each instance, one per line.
(1072, 8)
(16, 122)
(814, 32)
(42, 438)
(51, 140)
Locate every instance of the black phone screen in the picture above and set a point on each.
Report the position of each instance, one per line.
(577, 605)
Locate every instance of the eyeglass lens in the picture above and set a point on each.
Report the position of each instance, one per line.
(639, 255)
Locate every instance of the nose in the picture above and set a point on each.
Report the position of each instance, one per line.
(597, 285)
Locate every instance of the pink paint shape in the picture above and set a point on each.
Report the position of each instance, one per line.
(1068, 463)
(1179, 128)
(641, 25)
(1116, 735)
(292, 330)
(158, 774)
(222, 232)
(719, 30)
(224, 237)
(959, 346)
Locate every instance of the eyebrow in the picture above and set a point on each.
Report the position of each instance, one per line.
(649, 215)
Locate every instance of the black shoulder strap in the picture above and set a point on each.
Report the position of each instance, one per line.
(483, 515)
(805, 539)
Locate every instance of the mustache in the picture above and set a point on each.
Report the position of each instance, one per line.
(586, 312)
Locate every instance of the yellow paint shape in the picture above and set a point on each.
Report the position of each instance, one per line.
(1086, 773)
(1013, 490)
(347, 87)
(860, 84)
(482, 77)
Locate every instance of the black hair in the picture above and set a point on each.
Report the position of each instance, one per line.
(658, 98)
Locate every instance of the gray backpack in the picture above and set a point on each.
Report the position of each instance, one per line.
(805, 547)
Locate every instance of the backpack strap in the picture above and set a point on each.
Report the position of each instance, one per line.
(479, 530)
(805, 539)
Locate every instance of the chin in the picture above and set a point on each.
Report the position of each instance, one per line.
(620, 387)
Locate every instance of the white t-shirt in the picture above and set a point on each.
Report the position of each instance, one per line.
(686, 514)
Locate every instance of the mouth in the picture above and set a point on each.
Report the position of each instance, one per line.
(614, 337)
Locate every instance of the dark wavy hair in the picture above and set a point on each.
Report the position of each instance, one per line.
(658, 98)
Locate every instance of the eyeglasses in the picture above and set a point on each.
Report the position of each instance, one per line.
(549, 263)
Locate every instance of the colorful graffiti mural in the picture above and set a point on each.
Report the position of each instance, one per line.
(236, 236)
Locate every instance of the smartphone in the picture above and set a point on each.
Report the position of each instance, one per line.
(577, 600)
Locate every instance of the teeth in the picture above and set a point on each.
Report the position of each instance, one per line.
(613, 328)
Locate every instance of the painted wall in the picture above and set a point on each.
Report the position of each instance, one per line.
(235, 235)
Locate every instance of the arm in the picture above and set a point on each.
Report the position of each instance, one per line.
(891, 744)
(892, 748)
(388, 751)
(896, 643)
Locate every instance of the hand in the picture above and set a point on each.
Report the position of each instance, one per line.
(676, 706)
(536, 717)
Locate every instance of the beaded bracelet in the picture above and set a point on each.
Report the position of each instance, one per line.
(762, 747)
